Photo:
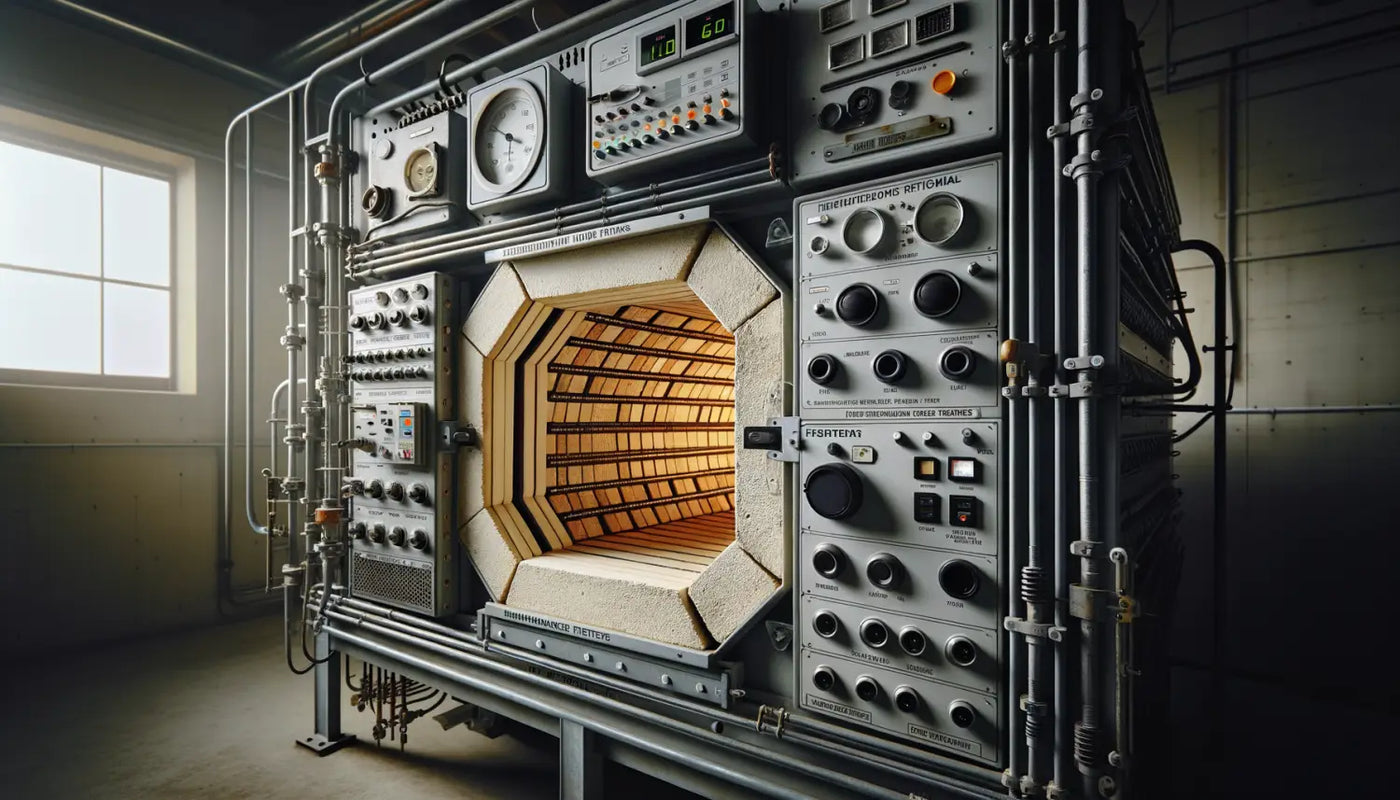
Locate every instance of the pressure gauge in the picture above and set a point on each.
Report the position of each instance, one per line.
(519, 132)
(420, 172)
(939, 218)
(509, 133)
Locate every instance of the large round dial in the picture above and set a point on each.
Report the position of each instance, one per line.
(834, 490)
(420, 172)
(509, 138)
(939, 218)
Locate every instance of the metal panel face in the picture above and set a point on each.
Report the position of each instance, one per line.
(882, 84)
(401, 509)
(898, 566)
(900, 283)
(671, 88)
(411, 178)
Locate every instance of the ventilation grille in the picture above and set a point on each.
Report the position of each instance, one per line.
(405, 584)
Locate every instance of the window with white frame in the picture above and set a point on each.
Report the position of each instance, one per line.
(86, 274)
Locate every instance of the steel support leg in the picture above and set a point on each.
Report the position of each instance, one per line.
(328, 736)
(580, 763)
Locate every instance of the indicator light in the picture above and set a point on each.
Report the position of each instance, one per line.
(944, 82)
(962, 469)
(690, 114)
(706, 109)
(724, 101)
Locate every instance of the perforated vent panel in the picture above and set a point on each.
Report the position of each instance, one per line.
(402, 583)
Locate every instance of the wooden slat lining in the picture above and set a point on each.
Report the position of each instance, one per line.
(621, 482)
(646, 350)
(719, 335)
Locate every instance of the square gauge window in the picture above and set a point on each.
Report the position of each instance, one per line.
(963, 470)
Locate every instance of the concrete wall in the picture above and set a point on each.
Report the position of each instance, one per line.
(1310, 547)
(116, 535)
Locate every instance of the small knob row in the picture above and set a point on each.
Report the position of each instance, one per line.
(370, 356)
(397, 536)
(395, 374)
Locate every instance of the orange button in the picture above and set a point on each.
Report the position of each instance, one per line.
(597, 144)
(676, 119)
(706, 109)
(943, 82)
(690, 114)
(724, 101)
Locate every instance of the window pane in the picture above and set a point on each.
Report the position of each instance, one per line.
(49, 211)
(136, 324)
(135, 227)
(50, 323)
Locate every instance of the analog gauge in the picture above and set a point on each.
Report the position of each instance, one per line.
(865, 230)
(420, 172)
(939, 218)
(509, 138)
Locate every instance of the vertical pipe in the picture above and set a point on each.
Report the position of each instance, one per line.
(1087, 230)
(1063, 301)
(1015, 503)
(1031, 577)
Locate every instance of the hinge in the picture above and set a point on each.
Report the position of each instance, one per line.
(779, 437)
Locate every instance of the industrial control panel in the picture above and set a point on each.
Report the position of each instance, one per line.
(898, 287)
(401, 480)
(885, 83)
(672, 87)
(898, 563)
(412, 177)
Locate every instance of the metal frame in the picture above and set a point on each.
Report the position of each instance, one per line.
(1052, 295)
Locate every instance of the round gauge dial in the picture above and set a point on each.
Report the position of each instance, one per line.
(939, 218)
(420, 172)
(509, 138)
(865, 231)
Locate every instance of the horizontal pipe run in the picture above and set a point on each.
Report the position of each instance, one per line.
(750, 193)
(1284, 410)
(594, 213)
(363, 251)
(561, 711)
(817, 727)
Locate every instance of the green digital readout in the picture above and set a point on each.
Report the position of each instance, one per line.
(659, 45)
(710, 26)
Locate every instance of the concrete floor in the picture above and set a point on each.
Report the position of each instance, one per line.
(212, 713)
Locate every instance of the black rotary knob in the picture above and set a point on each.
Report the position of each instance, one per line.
(418, 540)
(375, 489)
(357, 530)
(376, 533)
(398, 536)
(959, 579)
(832, 116)
(418, 493)
(858, 304)
(396, 491)
(863, 103)
(937, 294)
(834, 490)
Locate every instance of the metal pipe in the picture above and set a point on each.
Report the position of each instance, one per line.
(1275, 411)
(1087, 230)
(364, 23)
(186, 52)
(365, 251)
(1063, 300)
(482, 23)
(543, 38)
(1015, 408)
(543, 705)
(747, 193)
(558, 225)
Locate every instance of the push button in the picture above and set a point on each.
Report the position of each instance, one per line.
(926, 468)
(966, 510)
(927, 507)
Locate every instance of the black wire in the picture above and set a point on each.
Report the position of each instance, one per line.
(1204, 418)
(442, 71)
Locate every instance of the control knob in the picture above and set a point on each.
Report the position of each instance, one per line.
(396, 491)
(376, 533)
(398, 536)
(858, 304)
(834, 491)
(418, 540)
(937, 294)
(418, 493)
(375, 489)
(357, 530)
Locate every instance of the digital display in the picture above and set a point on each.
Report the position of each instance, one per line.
(711, 25)
(659, 45)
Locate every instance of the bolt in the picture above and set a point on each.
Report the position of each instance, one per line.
(500, 634)
(700, 688)
(665, 680)
(539, 643)
(974, 269)
(621, 667)
(588, 658)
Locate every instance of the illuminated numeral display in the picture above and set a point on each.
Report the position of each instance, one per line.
(709, 26)
(659, 45)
